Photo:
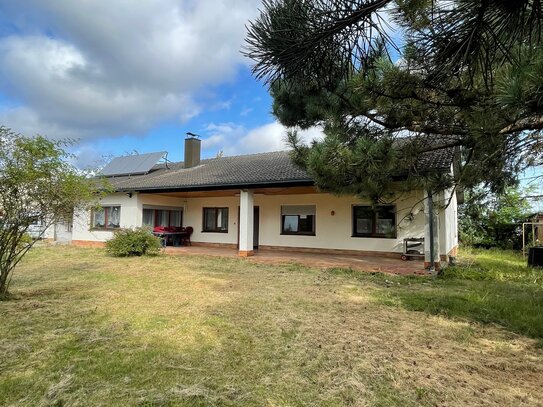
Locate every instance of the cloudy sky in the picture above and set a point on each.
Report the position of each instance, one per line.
(123, 76)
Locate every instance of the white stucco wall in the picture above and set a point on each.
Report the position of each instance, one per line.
(331, 231)
(448, 222)
(131, 216)
(193, 216)
(335, 231)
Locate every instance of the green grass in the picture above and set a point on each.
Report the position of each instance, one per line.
(88, 329)
(487, 286)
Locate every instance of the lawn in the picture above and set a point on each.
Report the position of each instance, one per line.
(88, 329)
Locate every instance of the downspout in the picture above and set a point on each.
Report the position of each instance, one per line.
(431, 226)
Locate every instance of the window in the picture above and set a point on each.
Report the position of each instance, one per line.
(378, 221)
(106, 217)
(148, 217)
(215, 220)
(162, 217)
(298, 220)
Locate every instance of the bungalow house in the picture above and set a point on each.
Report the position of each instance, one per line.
(265, 202)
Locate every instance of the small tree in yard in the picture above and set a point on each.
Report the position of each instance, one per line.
(37, 183)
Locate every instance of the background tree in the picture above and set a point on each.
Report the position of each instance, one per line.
(494, 220)
(463, 74)
(37, 183)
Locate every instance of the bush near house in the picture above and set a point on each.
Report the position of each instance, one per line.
(133, 242)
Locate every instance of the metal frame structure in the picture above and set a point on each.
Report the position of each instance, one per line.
(533, 225)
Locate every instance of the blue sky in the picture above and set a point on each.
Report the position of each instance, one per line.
(123, 76)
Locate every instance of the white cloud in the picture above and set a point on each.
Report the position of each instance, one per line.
(217, 136)
(216, 140)
(269, 137)
(26, 121)
(93, 68)
(235, 139)
(88, 157)
(222, 105)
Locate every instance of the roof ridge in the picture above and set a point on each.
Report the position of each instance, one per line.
(229, 156)
(254, 154)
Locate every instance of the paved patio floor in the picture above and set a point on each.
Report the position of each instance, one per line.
(355, 262)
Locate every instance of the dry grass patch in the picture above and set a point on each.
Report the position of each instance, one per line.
(88, 329)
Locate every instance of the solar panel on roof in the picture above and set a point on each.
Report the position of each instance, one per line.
(132, 164)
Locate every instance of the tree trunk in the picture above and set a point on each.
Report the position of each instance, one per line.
(4, 273)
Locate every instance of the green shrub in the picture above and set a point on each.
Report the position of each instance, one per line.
(133, 242)
(26, 239)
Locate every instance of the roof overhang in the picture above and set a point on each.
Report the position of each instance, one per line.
(215, 187)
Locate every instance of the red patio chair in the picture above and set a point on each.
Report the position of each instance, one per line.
(185, 237)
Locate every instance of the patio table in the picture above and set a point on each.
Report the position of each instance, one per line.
(177, 237)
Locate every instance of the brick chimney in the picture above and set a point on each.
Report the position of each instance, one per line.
(192, 150)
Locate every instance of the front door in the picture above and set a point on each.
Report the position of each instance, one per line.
(256, 226)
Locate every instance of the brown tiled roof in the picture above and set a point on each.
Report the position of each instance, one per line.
(264, 169)
(440, 152)
(256, 169)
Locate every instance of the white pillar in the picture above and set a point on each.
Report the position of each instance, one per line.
(246, 213)
(427, 234)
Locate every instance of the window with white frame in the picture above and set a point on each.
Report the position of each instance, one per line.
(106, 217)
(298, 220)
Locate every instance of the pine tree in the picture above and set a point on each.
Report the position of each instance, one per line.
(466, 74)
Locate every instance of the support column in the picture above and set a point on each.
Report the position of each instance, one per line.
(246, 213)
(431, 234)
(443, 228)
